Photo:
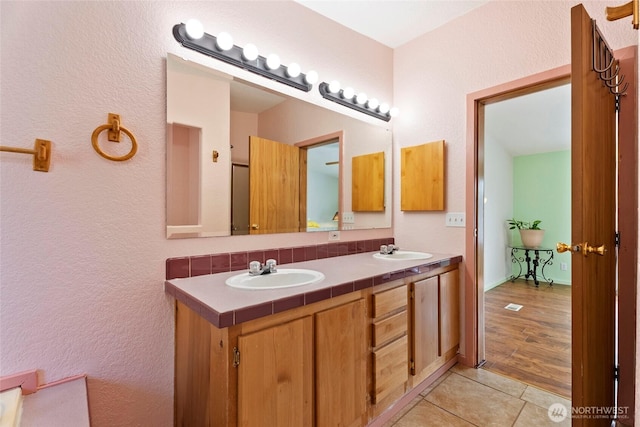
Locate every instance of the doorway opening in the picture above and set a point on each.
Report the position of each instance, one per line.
(323, 184)
(525, 176)
(473, 351)
(321, 176)
(476, 235)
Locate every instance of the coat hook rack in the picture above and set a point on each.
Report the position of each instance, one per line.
(606, 65)
(629, 9)
(41, 154)
(114, 130)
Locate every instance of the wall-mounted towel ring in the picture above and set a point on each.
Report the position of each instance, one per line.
(114, 128)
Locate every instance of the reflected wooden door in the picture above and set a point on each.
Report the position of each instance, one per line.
(274, 187)
(593, 204)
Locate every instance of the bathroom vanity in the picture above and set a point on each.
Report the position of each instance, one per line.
(339, 352)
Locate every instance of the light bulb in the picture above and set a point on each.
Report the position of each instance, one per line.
(384, 108)
(293, 70)
(334, 86)
(194, 29)
(224, 41)
(348, 93)
(311, 77)
(394, 112)
(273, 61)
(373, 103)
(361, 98)
(250, 52)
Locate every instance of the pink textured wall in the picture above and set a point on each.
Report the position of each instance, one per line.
(493, 44)
(83, 246)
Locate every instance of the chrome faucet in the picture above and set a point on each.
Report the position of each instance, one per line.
(256, 268)
(388, 249)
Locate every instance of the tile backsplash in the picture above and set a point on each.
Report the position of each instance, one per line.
(199, 265)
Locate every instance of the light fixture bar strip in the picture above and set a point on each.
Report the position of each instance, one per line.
(207, 46)
(337, 97)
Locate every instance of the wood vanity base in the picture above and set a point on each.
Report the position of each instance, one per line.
(347, 360)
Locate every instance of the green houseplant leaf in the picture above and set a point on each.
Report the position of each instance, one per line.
(524, 225)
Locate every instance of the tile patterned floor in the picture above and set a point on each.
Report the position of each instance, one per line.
(475, 397)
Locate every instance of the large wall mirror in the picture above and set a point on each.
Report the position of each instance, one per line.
(242, 159)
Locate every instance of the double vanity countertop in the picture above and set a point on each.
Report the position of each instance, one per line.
(224, 306)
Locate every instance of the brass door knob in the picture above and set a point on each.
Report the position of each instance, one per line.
(600, 250)
(563, 247)
(581, 247)
(255, 227)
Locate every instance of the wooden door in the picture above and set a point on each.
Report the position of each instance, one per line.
(367, 182)
(274, 187)
(593, 205)
(341, 365)
(425, 347)
(275, 376)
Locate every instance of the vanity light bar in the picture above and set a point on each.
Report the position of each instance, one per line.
(209, 45)
(347, 97)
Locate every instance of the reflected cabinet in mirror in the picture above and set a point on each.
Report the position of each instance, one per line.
(242, 159)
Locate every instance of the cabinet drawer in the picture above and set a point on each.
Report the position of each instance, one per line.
(390, 368)
(388, 301)
(389, 328)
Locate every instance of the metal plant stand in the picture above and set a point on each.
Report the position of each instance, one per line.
(534, 262)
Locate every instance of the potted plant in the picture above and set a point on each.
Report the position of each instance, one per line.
(530, 232)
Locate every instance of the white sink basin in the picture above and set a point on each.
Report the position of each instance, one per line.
(403, 255)
(283, 278)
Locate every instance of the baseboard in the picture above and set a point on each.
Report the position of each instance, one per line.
(496, 284)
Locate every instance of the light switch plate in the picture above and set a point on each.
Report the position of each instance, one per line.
(455, 219)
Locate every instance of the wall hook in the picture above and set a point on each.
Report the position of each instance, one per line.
(615, 74)
(615, 84)
(114, 129)
(615, 90)
(628, 9)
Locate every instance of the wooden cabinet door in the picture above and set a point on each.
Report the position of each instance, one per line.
(275, 376)
(424, 324)
(341, 357)
(449, 311)
(422, 177)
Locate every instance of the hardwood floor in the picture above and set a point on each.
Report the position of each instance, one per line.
(533, 344)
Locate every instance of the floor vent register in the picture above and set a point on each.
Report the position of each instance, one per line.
(513, 307)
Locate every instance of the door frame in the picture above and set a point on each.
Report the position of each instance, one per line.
(472, 353)
(304, 146)
(628, 226)
(474, 285)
